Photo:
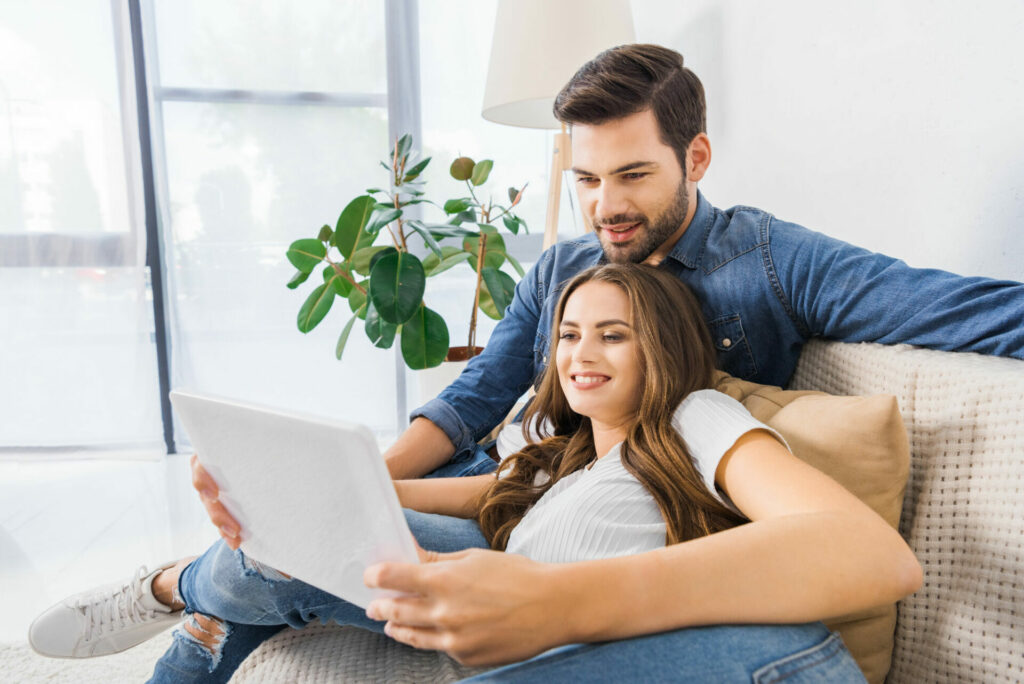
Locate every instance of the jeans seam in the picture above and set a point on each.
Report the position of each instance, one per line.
(816, 655)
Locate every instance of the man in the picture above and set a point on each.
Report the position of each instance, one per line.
(766, 286)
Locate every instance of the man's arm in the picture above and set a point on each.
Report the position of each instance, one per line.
(456, 496)
(422, 448)
(813, 551)
(846, 293)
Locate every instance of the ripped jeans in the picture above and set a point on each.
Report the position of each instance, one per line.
(251, 603)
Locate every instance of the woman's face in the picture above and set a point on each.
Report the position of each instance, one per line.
(598, 358)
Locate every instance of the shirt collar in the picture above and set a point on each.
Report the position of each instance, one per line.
(688, 248)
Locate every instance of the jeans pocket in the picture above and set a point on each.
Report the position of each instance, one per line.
(829, 661)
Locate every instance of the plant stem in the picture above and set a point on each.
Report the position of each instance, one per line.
(476, 295)
(338, 270)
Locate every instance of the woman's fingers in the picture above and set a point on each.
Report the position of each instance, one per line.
(230, 530)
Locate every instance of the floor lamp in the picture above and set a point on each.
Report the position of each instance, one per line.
(538, 45)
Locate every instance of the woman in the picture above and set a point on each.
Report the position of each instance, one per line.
(604, 473)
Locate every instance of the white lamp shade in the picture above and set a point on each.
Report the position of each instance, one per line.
(538, 46)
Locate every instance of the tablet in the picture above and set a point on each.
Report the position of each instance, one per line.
(313, 495)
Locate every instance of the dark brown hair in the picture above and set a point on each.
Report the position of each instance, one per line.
(632, 78)
(676, 358)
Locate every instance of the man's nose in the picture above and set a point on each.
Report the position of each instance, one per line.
(611, 201)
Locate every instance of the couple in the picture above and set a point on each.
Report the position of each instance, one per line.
(764, 287)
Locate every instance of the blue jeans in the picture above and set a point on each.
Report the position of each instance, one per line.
(253, 602)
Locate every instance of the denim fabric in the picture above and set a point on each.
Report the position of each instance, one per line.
(253, 603)
(765, 287)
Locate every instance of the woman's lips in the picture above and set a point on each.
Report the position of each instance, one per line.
(621, 232)
(588, 381)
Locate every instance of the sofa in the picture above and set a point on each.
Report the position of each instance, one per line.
(963, 515)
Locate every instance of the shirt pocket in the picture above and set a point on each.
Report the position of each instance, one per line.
(732, 347)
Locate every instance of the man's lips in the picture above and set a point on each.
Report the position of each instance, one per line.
(620, 232)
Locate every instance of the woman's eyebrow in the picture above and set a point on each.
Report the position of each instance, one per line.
(599, 324)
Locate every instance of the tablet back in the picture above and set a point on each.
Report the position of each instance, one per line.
(313, 495)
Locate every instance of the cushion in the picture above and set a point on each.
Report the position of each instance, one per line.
(862, 444)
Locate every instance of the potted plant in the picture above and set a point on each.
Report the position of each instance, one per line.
(383, 284)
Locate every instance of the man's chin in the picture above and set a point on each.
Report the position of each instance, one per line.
(618, 253)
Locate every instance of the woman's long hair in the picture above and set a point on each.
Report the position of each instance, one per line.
(676, 358)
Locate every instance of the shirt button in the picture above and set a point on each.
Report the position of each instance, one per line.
(726, 342)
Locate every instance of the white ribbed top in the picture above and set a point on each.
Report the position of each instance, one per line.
(603, 511)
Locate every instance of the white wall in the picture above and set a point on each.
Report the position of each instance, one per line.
(898, 126)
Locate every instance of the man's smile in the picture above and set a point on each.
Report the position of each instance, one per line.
(621, 232)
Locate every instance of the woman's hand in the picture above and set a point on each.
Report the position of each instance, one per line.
(229, 528)
(481, 607)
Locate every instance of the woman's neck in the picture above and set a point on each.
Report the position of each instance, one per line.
(606, 436)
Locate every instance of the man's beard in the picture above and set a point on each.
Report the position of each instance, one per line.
(650, 236)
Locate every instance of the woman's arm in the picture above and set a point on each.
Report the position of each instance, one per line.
(455, 496)
(811, 552)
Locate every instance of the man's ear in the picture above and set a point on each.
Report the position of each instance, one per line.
(698, 157)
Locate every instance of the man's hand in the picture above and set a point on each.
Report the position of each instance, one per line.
(229, 528)
(481, 607)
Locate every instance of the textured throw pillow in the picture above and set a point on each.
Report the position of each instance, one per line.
(862, 444)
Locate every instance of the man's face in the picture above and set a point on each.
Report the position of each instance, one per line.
(631, 187)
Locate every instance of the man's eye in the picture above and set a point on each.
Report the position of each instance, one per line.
(586, 180)
(633, 176)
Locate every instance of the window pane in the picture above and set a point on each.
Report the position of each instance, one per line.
(77, 357)
(313, 45)
(245, 181)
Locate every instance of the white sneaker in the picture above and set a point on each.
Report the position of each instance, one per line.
(102, 621)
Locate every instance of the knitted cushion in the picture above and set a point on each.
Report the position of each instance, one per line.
(964, 509)
(861, 443)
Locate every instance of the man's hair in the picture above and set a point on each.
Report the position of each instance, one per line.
(677, 357)
(628, 79)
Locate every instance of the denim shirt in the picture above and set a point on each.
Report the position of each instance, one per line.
(765, 287)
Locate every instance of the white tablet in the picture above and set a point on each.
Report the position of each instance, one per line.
(313, 495)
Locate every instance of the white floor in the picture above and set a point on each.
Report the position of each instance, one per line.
(69, 525)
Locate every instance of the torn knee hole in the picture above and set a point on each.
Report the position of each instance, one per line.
(263, 570)
(207, 631)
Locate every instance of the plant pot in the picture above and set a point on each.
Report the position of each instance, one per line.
(431, 381)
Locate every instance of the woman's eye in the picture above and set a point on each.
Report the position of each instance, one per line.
(612, 337)
(567, 336)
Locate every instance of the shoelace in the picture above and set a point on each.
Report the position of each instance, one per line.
(105, 611)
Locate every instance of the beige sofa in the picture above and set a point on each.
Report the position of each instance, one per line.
(963, 515)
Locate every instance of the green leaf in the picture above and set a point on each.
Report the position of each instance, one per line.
(494, 251)
(340, 347)
(350, 231)
(382, 218)
(373, 191)
(500, 286)
(424, 339)
(462, 168)
(297, 279)
(515, 264)
(512, 193)
(481, 171)
(404, 145)
(315, 308)
(340, 284)
(306, 254)
(325, 233)
(397, 282)
(463, 217)
(445, 230)
(357, 300)
(487, 305)
(455, 206)
(425, 234)
(512, 223)
(451, 256)
(415, 171)
(361, 260)
(380, 332)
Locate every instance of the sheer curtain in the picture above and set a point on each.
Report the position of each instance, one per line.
(77, 355)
